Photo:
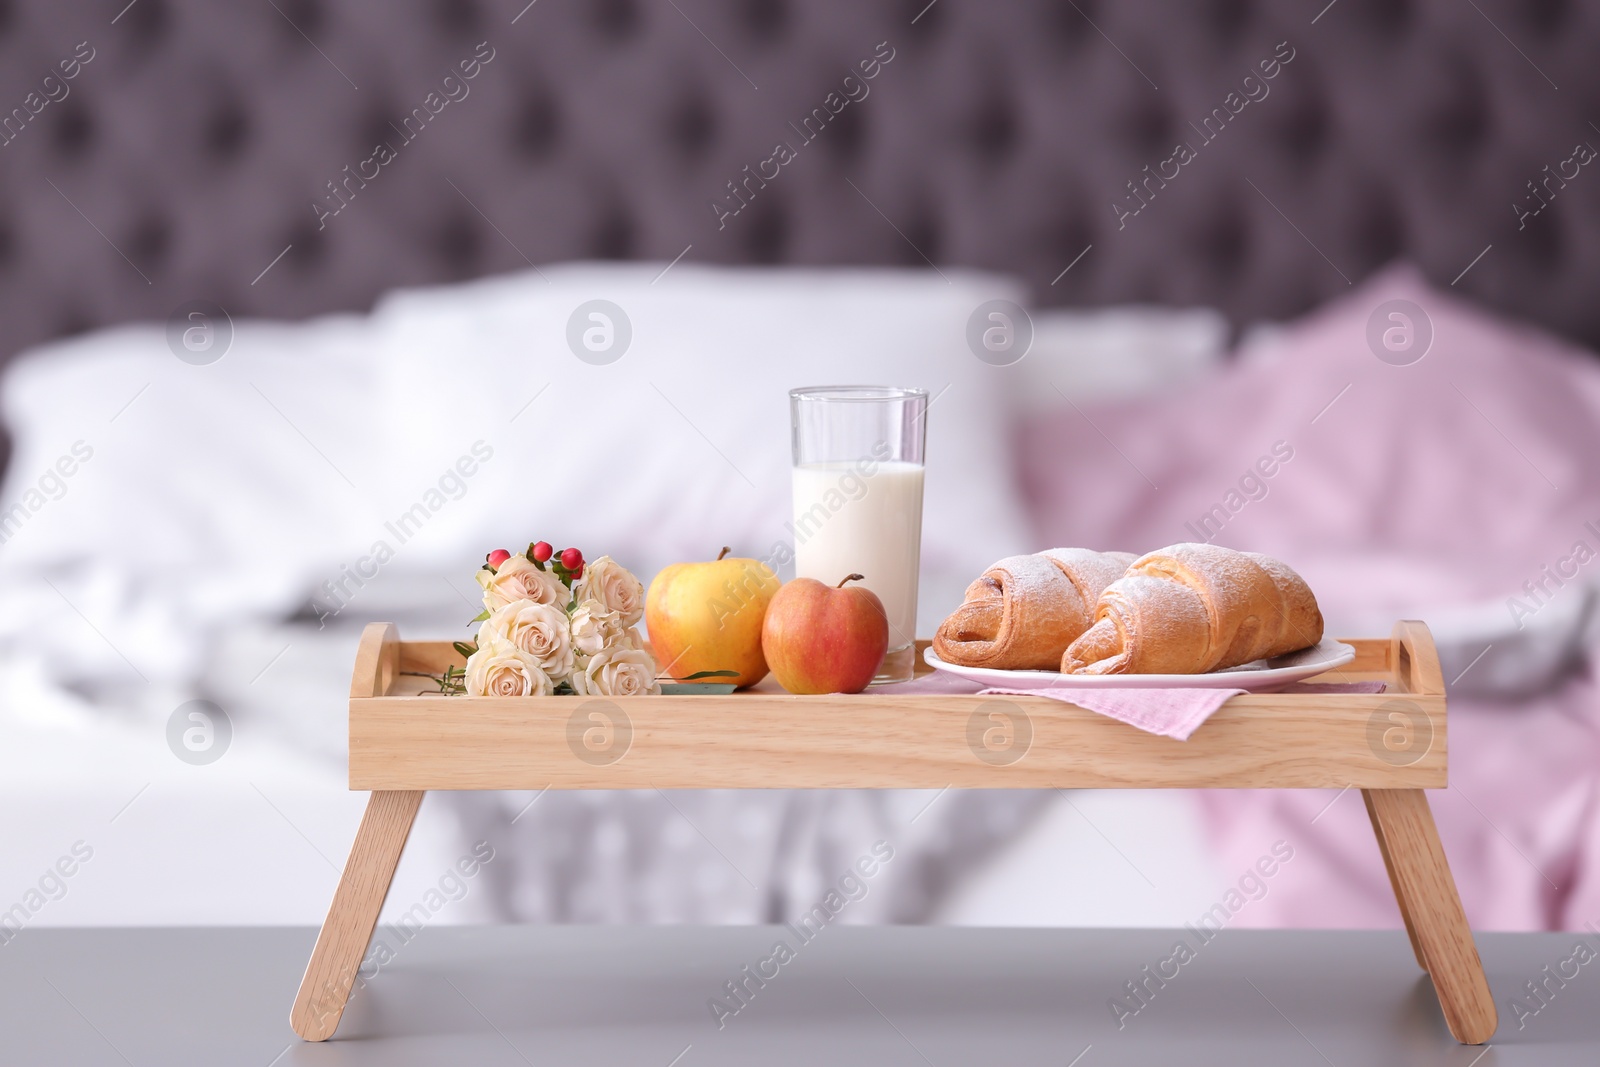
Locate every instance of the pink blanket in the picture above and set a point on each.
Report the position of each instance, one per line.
(1440, 489)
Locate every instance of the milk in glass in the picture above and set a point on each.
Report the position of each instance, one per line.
(863, 518)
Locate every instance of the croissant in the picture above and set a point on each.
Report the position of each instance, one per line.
(1193, 608)
(1024, 611)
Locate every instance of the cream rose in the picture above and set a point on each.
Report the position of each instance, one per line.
(617, 672)
(612, 585)
(595, 629)
(539, 631)
(499, 670)
(519, 579)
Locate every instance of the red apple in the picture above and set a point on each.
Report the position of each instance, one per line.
(818, 639)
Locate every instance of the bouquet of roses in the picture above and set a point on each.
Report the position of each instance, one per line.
(555, 624)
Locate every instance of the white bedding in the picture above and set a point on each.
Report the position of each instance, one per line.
(218, 500)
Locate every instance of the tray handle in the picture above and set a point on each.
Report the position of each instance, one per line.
(377, 660)
(1416, 659)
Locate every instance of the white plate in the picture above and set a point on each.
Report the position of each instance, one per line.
(1260, 676)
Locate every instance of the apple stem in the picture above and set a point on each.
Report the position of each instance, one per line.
(851, 578)
(724, 552)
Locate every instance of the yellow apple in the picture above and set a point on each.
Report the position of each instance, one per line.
(707, 617)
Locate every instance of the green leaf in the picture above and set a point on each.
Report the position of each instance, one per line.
(464, 648)
(450, 682)
(479, 617)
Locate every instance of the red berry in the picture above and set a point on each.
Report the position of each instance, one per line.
(498, 556)
(578, 572)
(542, 551)
(571, 559)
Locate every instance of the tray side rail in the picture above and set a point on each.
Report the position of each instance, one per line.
(1393, 740)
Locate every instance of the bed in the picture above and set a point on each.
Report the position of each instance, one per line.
(1011, 152)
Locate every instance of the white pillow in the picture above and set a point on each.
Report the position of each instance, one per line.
(197, 495)
(1114, 353)
(682, 445)
(188, 459)
(241, 487)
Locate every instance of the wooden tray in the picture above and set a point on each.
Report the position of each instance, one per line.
(405, 741)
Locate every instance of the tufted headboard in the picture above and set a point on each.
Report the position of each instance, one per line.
(184, 158)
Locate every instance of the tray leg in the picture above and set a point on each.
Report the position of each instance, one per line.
(1388, 865)
(347, 932)
(1427, 896)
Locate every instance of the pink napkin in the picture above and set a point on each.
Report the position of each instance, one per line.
(1174, 713)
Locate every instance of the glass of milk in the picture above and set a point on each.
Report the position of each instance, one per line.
(858, 461)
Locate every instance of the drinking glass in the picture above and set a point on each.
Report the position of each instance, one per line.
(858, 463)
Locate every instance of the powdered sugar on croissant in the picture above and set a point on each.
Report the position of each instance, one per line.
(1193, 608)
(1024, 611)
